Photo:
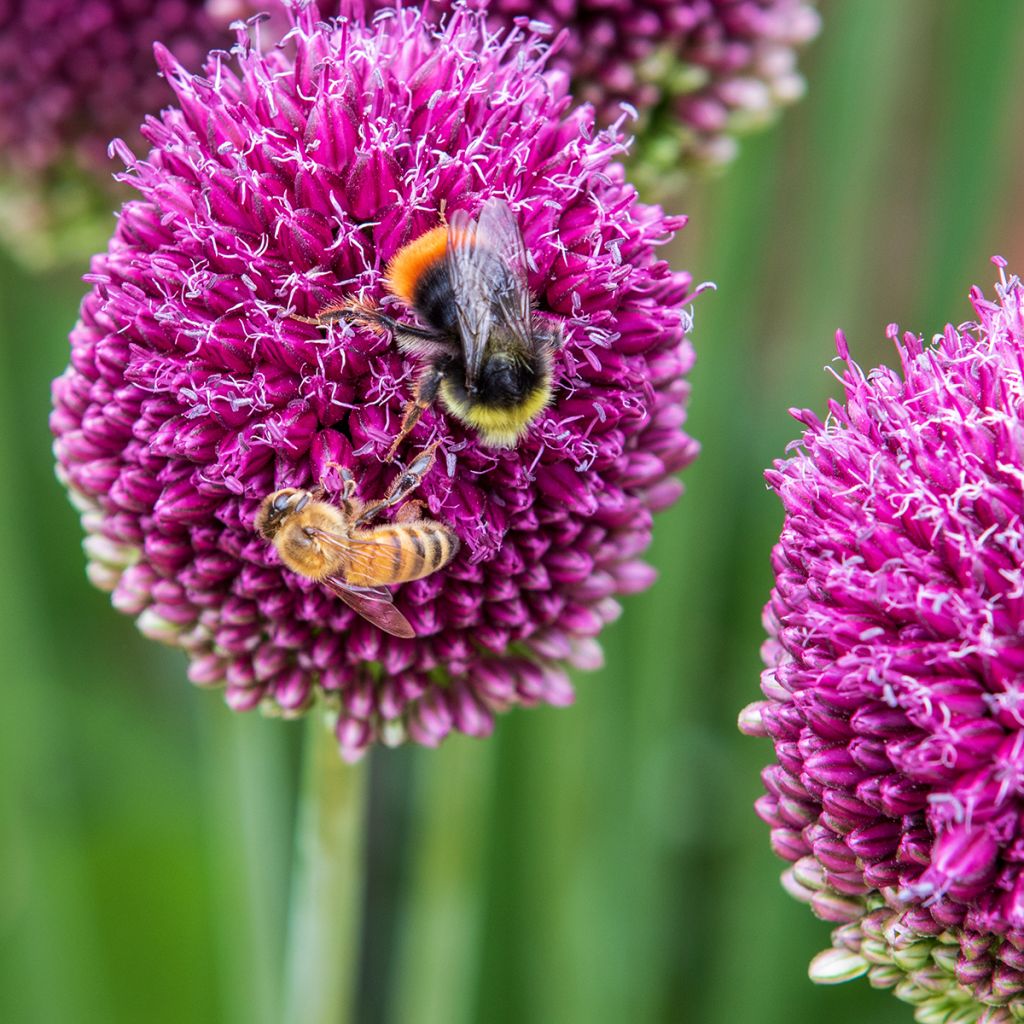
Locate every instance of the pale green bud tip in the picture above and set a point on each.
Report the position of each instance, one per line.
(795, 887)
(834, 966)
(749, 720)
(810, 873)
(914, 956)
(831, 906)
(885, 976)
(997, 1015)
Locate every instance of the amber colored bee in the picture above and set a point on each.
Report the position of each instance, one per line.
(336, 545)
(487, 352)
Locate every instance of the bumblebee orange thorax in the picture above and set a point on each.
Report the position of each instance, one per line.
(411, 263)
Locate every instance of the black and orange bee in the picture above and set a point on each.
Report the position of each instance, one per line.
(336, 545)
(487, 352)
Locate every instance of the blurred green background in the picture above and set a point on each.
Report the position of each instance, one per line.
(596, 864)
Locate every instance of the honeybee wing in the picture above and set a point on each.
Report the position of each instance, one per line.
(487, 267)
(368, 557)
(375, 604)
(363, 555)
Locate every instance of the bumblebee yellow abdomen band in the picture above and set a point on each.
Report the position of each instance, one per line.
(499, 427)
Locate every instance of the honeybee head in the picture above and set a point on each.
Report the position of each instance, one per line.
(276, 508)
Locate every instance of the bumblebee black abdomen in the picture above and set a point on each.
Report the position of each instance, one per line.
(488, 357)
(418, 274)
(504, 383)
(508, 397)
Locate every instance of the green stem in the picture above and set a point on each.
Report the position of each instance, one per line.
(439, 946)
(251, 781)
(322, 968)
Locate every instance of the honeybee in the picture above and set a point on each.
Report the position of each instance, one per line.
(336, 545)
(487, 352)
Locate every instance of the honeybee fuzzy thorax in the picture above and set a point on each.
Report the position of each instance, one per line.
(304, 554)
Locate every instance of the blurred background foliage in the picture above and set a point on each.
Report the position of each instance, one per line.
(597, 864)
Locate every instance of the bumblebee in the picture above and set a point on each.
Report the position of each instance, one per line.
(487, 352)
(336, 545)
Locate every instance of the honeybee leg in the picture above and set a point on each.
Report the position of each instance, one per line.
(348, 502)
(348, 481)
(427, 388)
(411, 511)
(403, 485)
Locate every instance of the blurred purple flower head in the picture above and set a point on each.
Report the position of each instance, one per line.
(285, 179)
(698, 72)
(73, 74)
(895, 678)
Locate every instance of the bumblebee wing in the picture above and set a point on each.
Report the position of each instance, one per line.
(487, 268)
(470, 270)
(510, 294)
(375, 604)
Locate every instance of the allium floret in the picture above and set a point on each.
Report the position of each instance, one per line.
(284, 180)
(895, 678)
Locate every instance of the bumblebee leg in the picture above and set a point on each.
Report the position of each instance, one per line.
(356, 311)
(427, 388)
(404, 484)
(326, 315)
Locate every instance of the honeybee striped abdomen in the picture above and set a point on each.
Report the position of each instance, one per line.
(414, 549)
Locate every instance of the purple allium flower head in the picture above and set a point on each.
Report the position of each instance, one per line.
(698, 72)
(895, 678)
(284, 180)
(73, 74)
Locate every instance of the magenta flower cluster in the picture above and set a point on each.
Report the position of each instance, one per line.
(285, 179)
(739, 59)
(75, 74)
(895, 680)
(698, 72)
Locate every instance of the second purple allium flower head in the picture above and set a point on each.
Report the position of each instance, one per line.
(895, 678)
(698, 72)
(73, 74)
(285, 180)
